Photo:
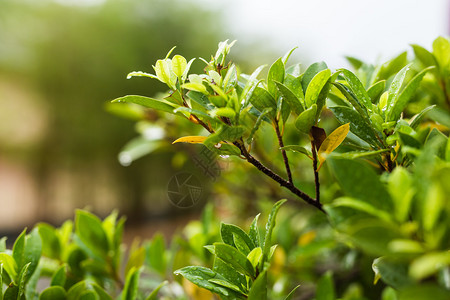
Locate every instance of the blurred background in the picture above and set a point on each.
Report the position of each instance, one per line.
(62, 61)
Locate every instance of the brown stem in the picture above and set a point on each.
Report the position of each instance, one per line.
(284, 183)
(316, 173)
(283, 152)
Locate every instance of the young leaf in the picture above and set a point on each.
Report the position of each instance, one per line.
(53, 293)
(191, 139)
(234, 258)
(23, 278)
(393, 112)
(261, 99)
(227, 232)
(325, 288)
(376, 90)
(258, 291)
(332, 142)
(147, 102)
(255, 256)
(415, 121)
(130, 290)
(269, 228)
(311, 72)
(306, 119)
(394, 89)
(358, 88)
(153, 295)
(276, 73)
(424, 56)
(315, 87)
(391, 271)
(290, 98)
(441, 50)
(291, 294)
(201, 276)
(141, 74)
(51, 246)
(354, 177)
(226, 284)
(229, 274)
(59, 277)
(254, 232)
(179, 65)
(155, 256)
(428, 264)
(299, 149)
(89, 230)
(362, 206)
(357, 124)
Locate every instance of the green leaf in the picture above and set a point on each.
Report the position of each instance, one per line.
(394, 90)
(325, 288)
(276, 73)
(136, 259)
(362, 206)
(354, 177)
(423, 292)
(299, 149)
(401, 189)
(258, 291)
(75, 292)
(424, 56)
(358, 125)
(254, 232)
(429, 264)
(269, 228)
(102, 294)
(53, 293)
(355, 62)
(415, 122)
(202, 115)
(291, 294)
(255, 256)
(201, 276)
(179, 65)
(228, 273)
(311, 72)
(261, 99)
(306, 119)
(358, 89)
(226, 284)
(227, 232)
(392, 271)
(441, 50)
(89, 230)
(1, 280)
(51, 246)
(223, 112)
(315, 87)
(234, 258)
(59, 277)
(391, 67)
(23, 278)
(130, 289)
(290, 98)
(200, 99)
(258, 124)
(148, 102)
(153, 295)
(155, 255)
(140, 74)
(376, 90)
(11, 293)
(394, 110)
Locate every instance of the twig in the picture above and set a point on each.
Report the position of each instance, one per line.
(283, 152)
(316, 173)
(284, 183)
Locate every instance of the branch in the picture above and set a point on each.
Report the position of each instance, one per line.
(283, 152)
(316, 173)
(284, 183)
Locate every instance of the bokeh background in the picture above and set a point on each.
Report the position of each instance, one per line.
(62, 61)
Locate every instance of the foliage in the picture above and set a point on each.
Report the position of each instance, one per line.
(390, 157)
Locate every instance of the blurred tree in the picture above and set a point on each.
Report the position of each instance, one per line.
(75, 58)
